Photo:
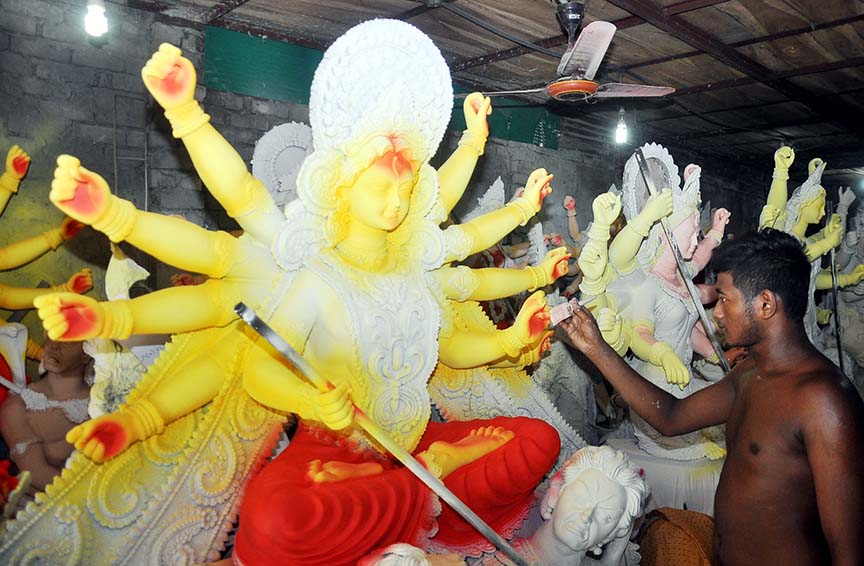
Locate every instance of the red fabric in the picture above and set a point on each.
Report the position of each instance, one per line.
(5, 373)
(287, 519)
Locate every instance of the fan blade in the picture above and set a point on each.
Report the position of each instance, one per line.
(621, 90)
(504, 92)
(583, 58)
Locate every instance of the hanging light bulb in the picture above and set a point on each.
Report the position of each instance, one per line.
(621, 128)
(95, 22)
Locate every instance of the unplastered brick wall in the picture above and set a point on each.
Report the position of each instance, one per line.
(63, 92)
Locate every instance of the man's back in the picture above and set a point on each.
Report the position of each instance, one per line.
(782, 438)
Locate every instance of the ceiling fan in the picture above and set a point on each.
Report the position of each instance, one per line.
(579, 64)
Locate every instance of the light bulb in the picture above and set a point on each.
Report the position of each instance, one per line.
(95, 22)
(621, 128)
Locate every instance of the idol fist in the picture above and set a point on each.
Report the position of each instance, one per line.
(80, 282)
(334, 408)
(476, 108)
(658, 206)
(104, 437)
(532, 320)
(68, 317)
(17, 162)
(592, 260)
(720, 220)
(81, 194)
(606, 208)
(783, 158)
(169, 77)
(537, 188)
(70, 228)
(554, 265)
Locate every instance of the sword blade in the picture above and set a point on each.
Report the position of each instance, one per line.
(380, 435)
(679, 260)
(834, 297)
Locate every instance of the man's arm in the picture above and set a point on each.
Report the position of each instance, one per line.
(669, 415)
(833, 430)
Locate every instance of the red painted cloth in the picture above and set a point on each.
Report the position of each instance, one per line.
(287, 519)
(5, 373)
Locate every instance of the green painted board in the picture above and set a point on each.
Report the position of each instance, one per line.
(265, 68)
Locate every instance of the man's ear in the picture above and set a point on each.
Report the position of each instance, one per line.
(767, 304)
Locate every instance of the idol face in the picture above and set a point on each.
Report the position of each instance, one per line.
(588, 510)
(686, 235)
(381, 195)
(814, 210)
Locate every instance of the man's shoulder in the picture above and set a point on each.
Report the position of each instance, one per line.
(826, 394)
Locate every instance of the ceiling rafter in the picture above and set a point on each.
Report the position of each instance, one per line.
(771, 78)
(556, 40)
(746, 42)
(270, 33)
(751, 106)
(221, 9)
(700, 39)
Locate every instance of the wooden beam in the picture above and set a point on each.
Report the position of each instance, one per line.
(221, 9)
(751, 41)
(702, 40)
(771, 78)
(412, 13)
(750, 106)
(244, 27)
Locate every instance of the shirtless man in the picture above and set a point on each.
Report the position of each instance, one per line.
(792, 488)
(35, 424)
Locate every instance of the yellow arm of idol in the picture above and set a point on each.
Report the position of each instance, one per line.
(825, 239)
(270, 380)
(466, 284)
(823, 279)
(15, 298)
(648, 348)
(85, 196)
(71, 317)
(625, 246)
(594, 258)
(171, 79)
(774, 212)
(468, 349)
(454, 174)
(486, 230)
(25, 251)
(192, 385)
(17, 163)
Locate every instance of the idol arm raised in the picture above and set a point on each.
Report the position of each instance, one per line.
(171, 80)
(455, 173)
(625, 246)
(773, 214)
(487, 230)
(463, 283)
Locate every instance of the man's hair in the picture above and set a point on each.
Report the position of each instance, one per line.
(767, 260)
